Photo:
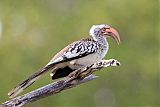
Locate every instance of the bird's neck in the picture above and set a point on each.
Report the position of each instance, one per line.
(100, 39)
(103, 43)
(104, 46)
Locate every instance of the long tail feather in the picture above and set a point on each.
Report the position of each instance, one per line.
(26, 83)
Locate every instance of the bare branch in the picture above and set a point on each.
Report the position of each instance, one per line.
(75, 78)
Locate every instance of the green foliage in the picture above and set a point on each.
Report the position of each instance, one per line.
(31, 32)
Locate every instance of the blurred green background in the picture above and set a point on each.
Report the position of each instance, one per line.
(32, 31)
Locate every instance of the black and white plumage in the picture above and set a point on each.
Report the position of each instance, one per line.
(76, 55)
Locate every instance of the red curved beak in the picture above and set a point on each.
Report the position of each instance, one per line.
(114, 34)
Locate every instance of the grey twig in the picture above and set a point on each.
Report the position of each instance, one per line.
(75, 78)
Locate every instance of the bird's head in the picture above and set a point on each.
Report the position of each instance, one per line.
(97, 31)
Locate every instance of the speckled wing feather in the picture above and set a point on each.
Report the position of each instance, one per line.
(75, 50)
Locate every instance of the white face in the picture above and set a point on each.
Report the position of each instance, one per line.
(96, 28)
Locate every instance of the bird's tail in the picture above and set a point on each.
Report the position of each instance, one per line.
(26, 83)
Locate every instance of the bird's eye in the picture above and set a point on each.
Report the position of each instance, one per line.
(103, 29)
